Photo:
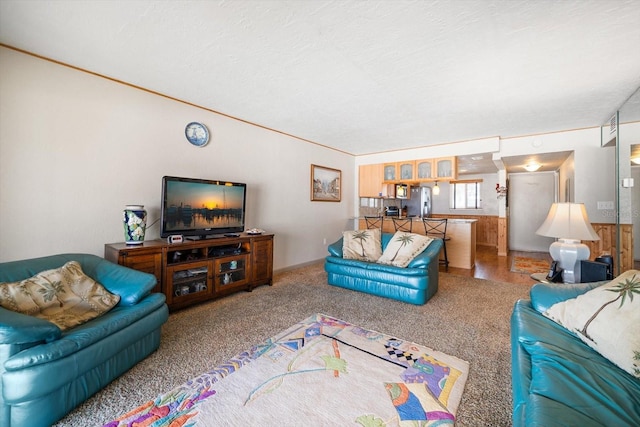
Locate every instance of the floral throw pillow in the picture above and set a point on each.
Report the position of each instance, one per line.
(403, 248)
(64, 296)
(607, 319)
(363, 245)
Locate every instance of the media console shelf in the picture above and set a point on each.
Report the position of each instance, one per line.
(197, 271)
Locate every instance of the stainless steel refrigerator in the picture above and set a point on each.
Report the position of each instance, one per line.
(420, 202)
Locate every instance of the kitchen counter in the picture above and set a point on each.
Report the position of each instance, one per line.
(461, 248)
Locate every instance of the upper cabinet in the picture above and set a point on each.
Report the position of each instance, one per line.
(390, 172)
(406, 170)
(440, 169)
(425, 170)
(446, 168)
(370, 180)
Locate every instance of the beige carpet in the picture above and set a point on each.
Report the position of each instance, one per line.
(467, 318)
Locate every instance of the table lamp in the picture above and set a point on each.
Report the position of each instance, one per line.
(569, 223)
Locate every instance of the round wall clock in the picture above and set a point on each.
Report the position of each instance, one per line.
(197, 134)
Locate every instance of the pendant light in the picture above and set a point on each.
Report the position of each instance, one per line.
(436, 189)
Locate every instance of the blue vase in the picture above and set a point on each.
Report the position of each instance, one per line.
(135, 224)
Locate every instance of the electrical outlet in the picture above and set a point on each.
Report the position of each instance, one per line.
(324, 241)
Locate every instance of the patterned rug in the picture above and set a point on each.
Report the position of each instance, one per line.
(321, 371)
(529, 265)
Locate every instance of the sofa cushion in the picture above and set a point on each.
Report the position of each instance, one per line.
(363, 245)
(64, 296)
(569, 384)
(607, 319)
(403, 248)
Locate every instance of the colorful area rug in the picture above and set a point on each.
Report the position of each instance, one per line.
(321, 371)
(529, 265)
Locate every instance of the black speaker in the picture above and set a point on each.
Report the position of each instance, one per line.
(607, 259)
(593, 271)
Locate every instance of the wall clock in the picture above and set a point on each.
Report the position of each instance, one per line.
(197, 134)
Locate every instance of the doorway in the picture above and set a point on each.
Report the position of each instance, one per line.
(530, 197)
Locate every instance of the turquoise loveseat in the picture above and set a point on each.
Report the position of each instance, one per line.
(45, 373)
(414, 284)
(558, 380)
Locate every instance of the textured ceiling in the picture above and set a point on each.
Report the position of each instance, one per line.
(358, 76)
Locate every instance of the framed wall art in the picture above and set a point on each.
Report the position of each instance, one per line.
(325, 184)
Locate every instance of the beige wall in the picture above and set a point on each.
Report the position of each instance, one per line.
(75, 148)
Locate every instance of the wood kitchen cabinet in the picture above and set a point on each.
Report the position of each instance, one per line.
(446, 168)
(390, 172)
(370, 179)
(425, 170)
(406, 170)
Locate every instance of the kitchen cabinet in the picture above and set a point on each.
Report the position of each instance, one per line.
(370, 180)
(446, 168)
(425, 170)
(406, 170)
(390, 172)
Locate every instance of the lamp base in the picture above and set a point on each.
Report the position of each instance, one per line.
(569, 253)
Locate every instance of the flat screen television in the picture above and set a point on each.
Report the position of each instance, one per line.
(201, 208)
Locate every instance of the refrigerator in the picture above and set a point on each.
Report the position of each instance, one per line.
(419, 204)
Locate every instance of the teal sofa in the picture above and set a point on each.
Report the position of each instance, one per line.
(558, 380)
(44, 372)
(414, 284)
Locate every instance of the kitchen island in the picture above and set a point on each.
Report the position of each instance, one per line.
(461, 248)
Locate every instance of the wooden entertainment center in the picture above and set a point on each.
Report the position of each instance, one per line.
(197, 271)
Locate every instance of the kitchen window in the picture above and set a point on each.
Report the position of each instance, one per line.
(465, 194)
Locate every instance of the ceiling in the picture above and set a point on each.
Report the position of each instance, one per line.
(357, 76)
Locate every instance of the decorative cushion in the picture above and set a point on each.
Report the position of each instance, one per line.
(363, 245)
(607, 319)
(64, 296)
(404, 247)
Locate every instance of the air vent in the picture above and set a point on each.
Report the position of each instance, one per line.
(612, 124)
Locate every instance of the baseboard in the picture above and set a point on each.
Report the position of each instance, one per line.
(295, 267)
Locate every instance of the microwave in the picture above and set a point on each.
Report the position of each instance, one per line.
(402, 191)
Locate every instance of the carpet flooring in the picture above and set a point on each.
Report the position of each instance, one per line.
(467, 318)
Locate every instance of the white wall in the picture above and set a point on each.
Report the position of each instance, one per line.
(76, 148)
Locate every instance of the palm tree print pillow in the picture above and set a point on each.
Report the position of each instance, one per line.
(363, 245)
(64, 296)
(607, 319)
(403, 248)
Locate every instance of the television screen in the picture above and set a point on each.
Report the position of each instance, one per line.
(201, 207)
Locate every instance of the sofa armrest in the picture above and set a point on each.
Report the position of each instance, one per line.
(335, 249)
(17, 328)
(132, 285)
(544, 295)
(430, 253)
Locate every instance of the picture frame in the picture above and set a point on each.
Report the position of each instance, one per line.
(325, 184)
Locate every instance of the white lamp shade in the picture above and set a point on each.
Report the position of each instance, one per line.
(568, 221)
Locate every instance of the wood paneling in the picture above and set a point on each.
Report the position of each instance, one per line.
(607, 243)
(503, 236)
